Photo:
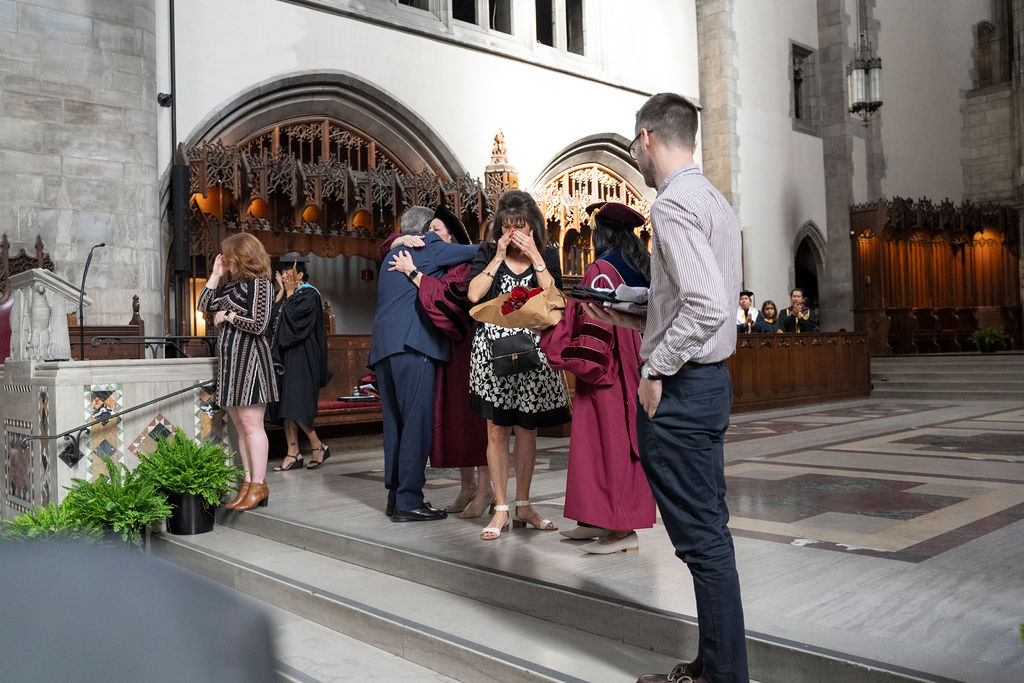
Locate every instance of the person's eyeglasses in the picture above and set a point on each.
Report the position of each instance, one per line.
(633, 149)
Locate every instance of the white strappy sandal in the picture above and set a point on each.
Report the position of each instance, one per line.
(519, 522)
(496, 530)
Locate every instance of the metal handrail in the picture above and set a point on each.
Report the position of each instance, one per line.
(71, 453)
(152, 343)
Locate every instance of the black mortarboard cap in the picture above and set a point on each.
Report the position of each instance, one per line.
(454, 225)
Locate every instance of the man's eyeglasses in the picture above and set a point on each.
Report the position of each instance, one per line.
(633, 149)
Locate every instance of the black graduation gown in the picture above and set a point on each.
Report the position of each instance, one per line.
(300, 348)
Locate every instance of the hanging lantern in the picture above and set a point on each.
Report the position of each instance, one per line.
(864, 81)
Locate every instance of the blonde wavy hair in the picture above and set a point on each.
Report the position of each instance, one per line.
(246, 257)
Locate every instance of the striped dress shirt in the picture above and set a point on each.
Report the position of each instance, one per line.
(695, 274)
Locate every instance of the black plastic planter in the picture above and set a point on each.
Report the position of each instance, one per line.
(191, 515)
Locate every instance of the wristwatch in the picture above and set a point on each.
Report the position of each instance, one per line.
(540, 269)
(412, 274)
(647, 373)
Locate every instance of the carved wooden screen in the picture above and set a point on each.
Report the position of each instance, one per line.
(564, 201)
(920, 268)
(311, 186)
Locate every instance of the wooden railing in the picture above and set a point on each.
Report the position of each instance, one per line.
(780, 370)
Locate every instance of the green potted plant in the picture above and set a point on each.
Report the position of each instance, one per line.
(120, 501)
(193, 476)
(53, 522)
(989, 339)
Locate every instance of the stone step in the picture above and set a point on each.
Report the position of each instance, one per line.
(625, 623)
(307, 652)
(948, 385)
(450, 634)
(900, 392)
(979, 360)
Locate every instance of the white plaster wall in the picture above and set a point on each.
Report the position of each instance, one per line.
(781, 178)
(226, 46)
(465, 95)
(926, 49)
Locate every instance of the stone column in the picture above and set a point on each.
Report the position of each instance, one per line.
(717, 53)
(78, 145)
(836, 293)
(873, 131)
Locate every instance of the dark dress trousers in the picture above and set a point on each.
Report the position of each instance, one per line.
(404, 346)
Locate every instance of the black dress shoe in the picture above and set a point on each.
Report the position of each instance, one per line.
(420, 514)
(390, 509)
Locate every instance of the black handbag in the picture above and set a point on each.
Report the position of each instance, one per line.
(515, 354)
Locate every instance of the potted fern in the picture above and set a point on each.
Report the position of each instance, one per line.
(53, 522)
(120, 502)
(989, 339)
(193, 476)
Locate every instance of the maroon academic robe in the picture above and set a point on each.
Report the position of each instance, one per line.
(606, 485)
(460, 434)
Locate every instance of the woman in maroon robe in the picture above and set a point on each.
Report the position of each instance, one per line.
(460, 434)
(606, 490)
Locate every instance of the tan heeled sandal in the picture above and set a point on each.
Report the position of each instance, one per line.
(519, 522)
(495, 531)
(473, 511)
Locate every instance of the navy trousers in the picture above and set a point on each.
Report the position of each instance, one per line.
(681, 449)
(406, 382)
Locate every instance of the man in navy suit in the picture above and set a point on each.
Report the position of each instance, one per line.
(403, 349)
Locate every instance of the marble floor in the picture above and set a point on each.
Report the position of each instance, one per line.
(891, 530)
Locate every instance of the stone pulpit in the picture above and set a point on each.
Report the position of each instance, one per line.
(39, 322)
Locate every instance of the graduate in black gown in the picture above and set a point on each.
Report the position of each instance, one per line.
(300, 355)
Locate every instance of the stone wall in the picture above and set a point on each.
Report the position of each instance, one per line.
(717, 51)
(47, 399)
(78, 146)
(988, 144)
(836, 294)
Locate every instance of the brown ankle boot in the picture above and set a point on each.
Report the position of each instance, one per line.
(258, 494)
(242, 490)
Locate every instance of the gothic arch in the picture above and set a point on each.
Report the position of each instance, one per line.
(337, 95)
(607, 149)
(593, 169)
(808, 260)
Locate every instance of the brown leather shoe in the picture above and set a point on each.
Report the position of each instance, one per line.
(686, 672)
(242, 490)
(258, 494)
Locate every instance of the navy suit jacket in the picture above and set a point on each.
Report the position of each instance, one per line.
(399, 324)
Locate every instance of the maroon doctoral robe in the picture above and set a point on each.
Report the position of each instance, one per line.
(460, 434)
(606, 485)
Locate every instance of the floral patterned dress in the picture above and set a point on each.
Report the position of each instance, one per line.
(530, 399)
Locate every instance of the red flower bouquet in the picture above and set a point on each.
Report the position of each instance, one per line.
(517, 298)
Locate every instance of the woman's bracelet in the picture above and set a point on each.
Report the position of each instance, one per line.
(484, 272)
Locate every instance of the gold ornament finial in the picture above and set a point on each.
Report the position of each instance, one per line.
(499, 155)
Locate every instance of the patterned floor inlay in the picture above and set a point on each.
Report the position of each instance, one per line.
(944, 442)
(899, 516)
(789, 424)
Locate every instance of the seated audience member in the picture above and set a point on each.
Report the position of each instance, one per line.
(799, 317)
(768, 322)
(746, 314)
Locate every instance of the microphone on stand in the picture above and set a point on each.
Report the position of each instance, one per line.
(81, 300)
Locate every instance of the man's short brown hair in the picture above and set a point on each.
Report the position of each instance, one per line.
(670, 116)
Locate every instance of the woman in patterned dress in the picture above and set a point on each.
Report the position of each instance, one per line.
(246, 381)
(522, 402)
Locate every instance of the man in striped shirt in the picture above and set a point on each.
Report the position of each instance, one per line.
(685, 392)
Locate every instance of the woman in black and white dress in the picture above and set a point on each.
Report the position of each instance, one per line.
(514, 256)
(246, 381)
